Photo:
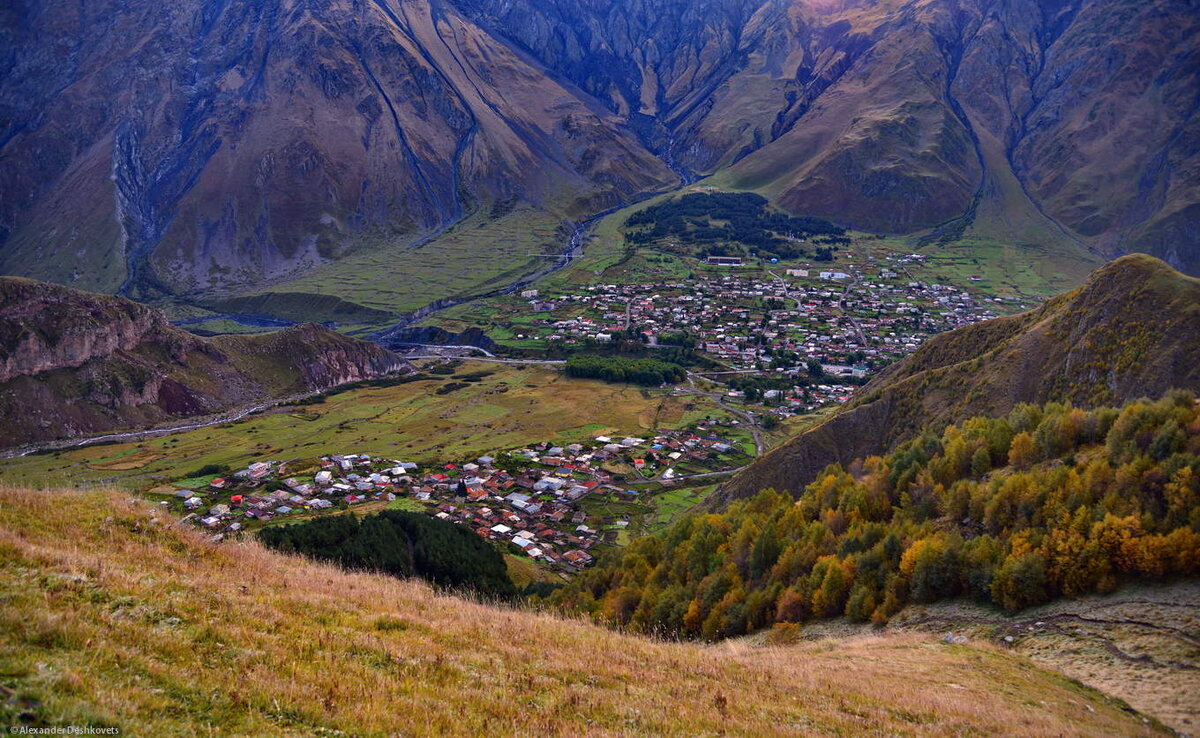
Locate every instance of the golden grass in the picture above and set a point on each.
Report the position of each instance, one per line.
(1137, 644)
(133, 461)
(113, 615)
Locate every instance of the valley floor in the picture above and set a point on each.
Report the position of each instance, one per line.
(112, 615)
(507, 407)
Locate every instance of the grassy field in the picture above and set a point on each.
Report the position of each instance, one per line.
(523, 571)
(509, 408)
(672, 503)
(112, 616)
(1002, 269)
(474, 256)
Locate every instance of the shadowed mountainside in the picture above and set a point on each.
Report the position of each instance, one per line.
(75, 363)
(203, 146)
(205, 149)
(1056, 123)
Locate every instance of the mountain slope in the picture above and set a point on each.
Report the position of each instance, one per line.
(1128, 332)
(205, 146)
(1051, 504)
(209, 149)
(1056, 124)
(75, 363)
(174, 644)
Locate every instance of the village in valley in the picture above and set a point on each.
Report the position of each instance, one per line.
(760, 349)
(774, 322)
(537, 501)
(529, 440)
(804, 339)
(828, 328)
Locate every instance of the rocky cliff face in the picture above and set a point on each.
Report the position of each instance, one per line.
(322, 357)
(1128, 332)
(45, 327)
(75, 363)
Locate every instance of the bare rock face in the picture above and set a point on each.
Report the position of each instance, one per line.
(45, 327)
(74, 363)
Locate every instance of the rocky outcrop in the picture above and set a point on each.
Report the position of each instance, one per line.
(1130, 331)
(45, 327)
(322, 357)
(77, 363)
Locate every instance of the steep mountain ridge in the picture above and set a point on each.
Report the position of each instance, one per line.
(75, 363)
(205, 146)
(1128, 332)
(996, 120)
(209, 149)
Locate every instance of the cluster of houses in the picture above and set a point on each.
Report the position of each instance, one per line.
(844, 320)
(529, 498)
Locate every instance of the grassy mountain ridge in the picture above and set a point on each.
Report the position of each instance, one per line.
(181, 637)
(75, 363)
(1127, 332)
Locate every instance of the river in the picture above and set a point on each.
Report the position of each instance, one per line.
(573, 249)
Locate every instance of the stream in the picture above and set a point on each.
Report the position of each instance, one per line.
(392, 336)
(389, 337)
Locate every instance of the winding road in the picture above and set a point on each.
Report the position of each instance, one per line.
(494, 360)
(229, 416)
(747, 416)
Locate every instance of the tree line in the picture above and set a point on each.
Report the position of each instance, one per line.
(720, 218)
(400, 543)
(1046, 502)
(646, 372)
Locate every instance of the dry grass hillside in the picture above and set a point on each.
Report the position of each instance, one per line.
(112, 615)
(1141, 643)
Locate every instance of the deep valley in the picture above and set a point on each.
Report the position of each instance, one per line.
(622, 367)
